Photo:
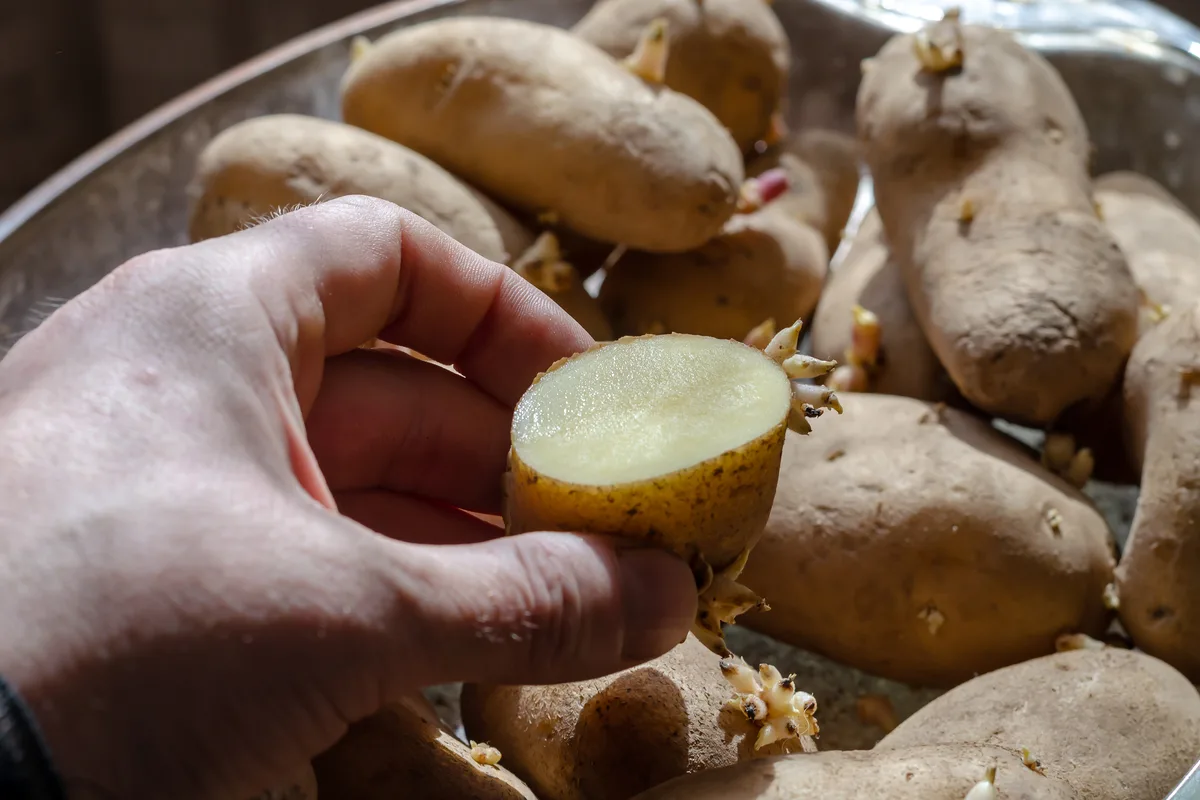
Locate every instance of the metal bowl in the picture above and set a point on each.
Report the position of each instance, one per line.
(1130, 65)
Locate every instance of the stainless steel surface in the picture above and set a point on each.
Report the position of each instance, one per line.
(1189, 787)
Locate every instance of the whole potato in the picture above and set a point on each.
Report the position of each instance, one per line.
(979, 158)
(730, 55)
(917, 773)
(1127, 182)
(1157, 578)
(260, 166)
(610, 738)
(917, 543)
(1160, 240)
(542, 120)
(405, 751)
(869, 277)
(1114, 724)
(765, 265)
(823, 175)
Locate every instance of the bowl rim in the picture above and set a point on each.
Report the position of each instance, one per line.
(46, 193)
(879, 13)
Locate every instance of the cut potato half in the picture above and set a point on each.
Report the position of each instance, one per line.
(676, 439)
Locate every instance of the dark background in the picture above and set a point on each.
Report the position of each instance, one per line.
(74, 71)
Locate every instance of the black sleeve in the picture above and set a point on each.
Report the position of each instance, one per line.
(26, 772)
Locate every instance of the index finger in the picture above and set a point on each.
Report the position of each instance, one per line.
(335, 275)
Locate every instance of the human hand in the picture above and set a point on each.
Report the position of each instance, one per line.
(182, 607)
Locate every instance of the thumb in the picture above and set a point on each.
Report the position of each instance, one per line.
(540, 608)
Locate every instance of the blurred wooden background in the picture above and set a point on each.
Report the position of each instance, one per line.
(74, 71)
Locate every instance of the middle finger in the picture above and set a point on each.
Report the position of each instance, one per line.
(385, 420)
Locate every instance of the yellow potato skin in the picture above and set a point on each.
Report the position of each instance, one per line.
(764, 265)
(715, 509)
(980, 176)
(917, 773)
(405, 751)
(823, 175)
(1114, 724)
(610, 738)
(869, 277)
(1157, 576)
(546, 122)
(264, 164)
(916, 543)
(732, 56)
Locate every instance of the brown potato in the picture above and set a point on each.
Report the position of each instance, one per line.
(917, 543)
(610, 738)
(258, 167)
(405, 751)
(763, 265)
(1157, 579)
(870, 278)
(732, 56)
(918, 773)
(1160, 240)
(1128, 182)
(979, 159)
(1114, 724)
(542, 120)
(823, 175)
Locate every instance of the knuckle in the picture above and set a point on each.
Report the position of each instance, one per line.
(553, 600)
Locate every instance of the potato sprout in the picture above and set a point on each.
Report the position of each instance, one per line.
(649, 59)
(986, 788)
(543, 265)
(484, 754)
(771, 702)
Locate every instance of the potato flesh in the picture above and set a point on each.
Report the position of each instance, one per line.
(642, 408)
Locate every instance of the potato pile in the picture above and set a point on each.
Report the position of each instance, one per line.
(903, 540)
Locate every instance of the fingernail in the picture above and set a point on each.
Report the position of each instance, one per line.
(658, 602)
